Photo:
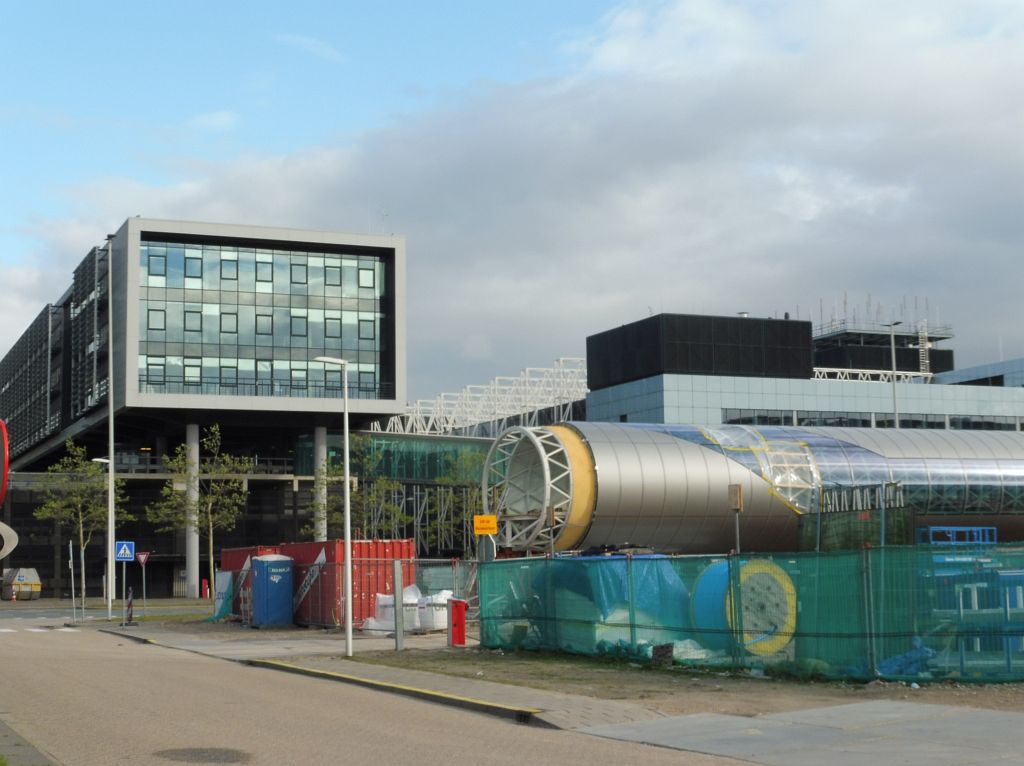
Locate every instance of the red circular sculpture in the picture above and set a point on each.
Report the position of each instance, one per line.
(6, 463)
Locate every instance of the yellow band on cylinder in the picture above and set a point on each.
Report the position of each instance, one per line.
(584, 488)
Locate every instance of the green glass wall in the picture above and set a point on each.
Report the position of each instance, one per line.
(409, 459)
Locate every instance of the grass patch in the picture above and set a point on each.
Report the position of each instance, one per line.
(177, 618)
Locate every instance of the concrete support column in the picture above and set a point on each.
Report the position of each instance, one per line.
(191, 532)
(320, 483)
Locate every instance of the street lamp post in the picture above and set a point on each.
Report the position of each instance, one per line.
(892, 349)
(343, 363)
(111, 521)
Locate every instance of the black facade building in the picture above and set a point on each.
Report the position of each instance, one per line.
(688, 344)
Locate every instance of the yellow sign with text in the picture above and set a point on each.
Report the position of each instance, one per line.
(485, 525)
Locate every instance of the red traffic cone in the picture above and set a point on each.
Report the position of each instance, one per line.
(14, 595)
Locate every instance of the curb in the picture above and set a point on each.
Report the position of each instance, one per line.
(518, 714)
(18, 751)
(136, 639)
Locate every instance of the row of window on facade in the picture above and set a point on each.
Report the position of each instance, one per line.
(156, 319)
(264, 272)
(764, 417)
(191, 372)
(186, 266)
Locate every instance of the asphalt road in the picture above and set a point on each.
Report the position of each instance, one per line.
(50, 608)
(84, 697)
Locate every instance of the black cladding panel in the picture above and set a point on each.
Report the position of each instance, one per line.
(688, 344)
(855, 357)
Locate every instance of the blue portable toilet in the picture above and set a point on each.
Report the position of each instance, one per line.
(272, 590)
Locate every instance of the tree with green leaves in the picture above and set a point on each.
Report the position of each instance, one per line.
(221, 491)
(76, 496)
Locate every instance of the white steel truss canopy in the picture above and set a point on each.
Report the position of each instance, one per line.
(505, 402)
(871, 376)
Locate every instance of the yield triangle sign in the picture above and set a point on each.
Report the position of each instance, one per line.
(142, 557)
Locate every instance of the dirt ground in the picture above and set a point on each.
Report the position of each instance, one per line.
(679, 691)
(674, 691)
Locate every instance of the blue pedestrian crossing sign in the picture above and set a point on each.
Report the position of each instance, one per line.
(124, 550)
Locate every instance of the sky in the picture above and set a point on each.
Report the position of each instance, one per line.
(557, 168)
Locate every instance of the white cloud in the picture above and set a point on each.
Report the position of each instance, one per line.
(696, 37)
(214, 121)
(707, 157)
(806, 196)
(313, 47)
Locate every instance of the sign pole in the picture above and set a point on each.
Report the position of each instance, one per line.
(736, 506)
(71, 567)
(124, 603)
(124, 551)
(399, 606)
(143, 558)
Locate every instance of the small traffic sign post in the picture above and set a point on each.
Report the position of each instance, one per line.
(485, 524)
(485, 527)
(124, 551)
(142, 557)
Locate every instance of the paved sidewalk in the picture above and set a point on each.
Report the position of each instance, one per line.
(879, 732)
(861, 734)
(324, 658)
(526, 705)
(17, 751)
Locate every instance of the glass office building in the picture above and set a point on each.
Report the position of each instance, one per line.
(204, 324)
(784, 372)
(234, 318)
(216, 321)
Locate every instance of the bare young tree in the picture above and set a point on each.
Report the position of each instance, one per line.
(221, 496)
(75, 497)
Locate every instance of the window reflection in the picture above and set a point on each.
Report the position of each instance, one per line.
(212, 305)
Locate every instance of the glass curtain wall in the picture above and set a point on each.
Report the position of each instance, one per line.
(967, 484)
(228, 319)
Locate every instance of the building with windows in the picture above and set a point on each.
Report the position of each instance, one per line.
(784, 372)
(209, 323)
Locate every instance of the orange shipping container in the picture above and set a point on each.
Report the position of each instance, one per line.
(319, 577)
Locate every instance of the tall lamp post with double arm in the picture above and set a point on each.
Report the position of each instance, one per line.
(892, 348)
(343, 364)
(111, 516)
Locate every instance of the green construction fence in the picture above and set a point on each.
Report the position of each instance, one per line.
(914, 612)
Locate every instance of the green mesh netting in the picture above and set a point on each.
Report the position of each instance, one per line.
(920, 613)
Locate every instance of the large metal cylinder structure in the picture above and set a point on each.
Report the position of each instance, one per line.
(582, 485)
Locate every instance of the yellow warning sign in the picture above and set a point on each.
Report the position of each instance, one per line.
(485, 525)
